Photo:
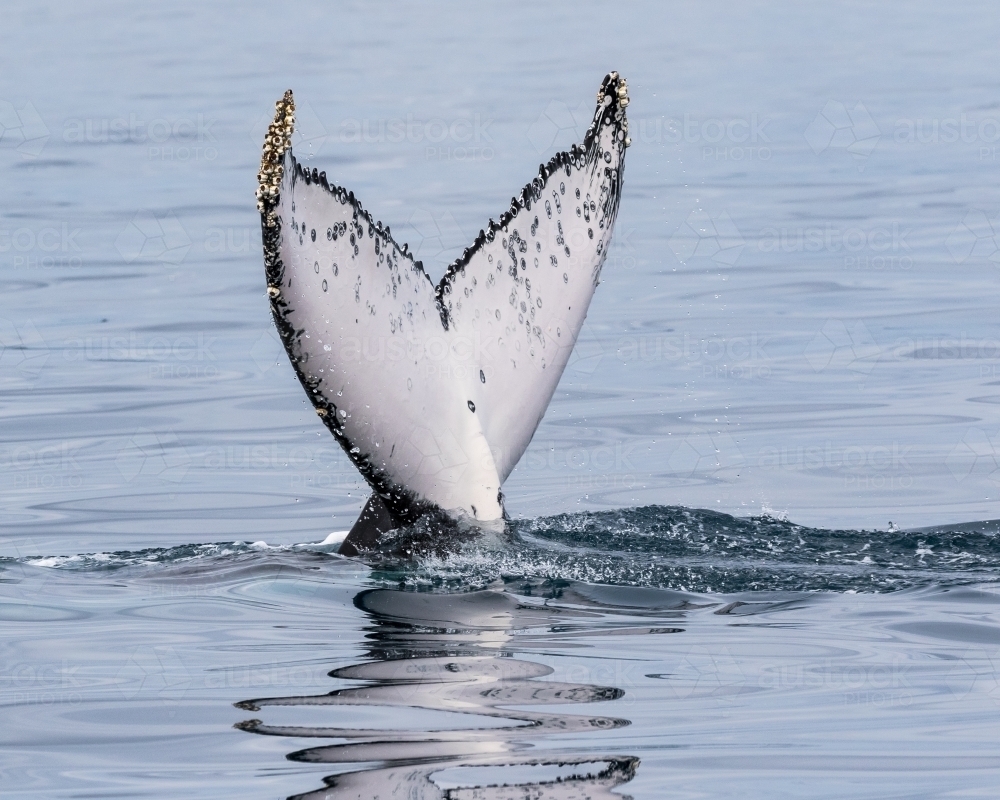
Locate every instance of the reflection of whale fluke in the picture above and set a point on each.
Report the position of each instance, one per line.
(462, 709)
(576, 779)
(470, 686)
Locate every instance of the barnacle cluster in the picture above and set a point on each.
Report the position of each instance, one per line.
(277, 141)
(621, 94)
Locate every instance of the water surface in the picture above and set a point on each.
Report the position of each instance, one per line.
(752, 551)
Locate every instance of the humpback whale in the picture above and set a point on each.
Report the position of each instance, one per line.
(434, 391)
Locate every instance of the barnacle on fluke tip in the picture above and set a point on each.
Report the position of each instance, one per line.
(276, 142)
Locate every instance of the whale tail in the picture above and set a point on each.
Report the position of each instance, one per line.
(434, 391)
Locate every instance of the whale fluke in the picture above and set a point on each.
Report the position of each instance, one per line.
(433, 391)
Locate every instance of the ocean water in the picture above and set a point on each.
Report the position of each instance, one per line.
(753, 548)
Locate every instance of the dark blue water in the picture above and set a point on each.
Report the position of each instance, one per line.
(752, 551)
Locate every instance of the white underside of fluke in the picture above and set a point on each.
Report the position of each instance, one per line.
(436, 391)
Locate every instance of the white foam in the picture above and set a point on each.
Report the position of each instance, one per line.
(335, 538)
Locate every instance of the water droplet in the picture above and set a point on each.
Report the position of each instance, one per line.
(324, 284)
(482, 376)
(472, 407)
